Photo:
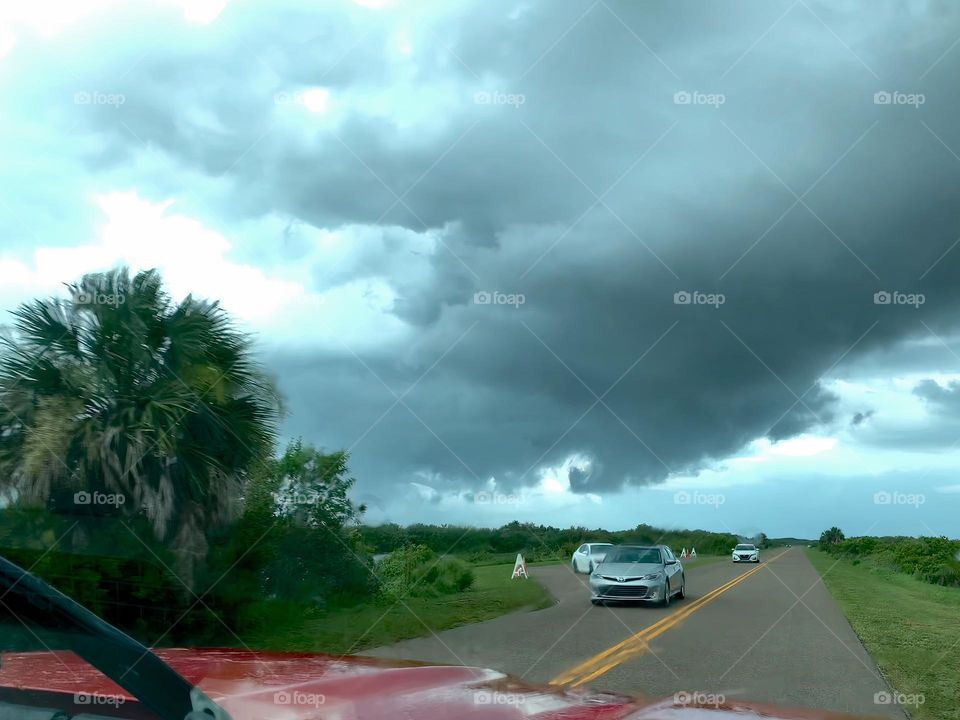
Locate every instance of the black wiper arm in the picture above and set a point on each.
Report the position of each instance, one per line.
(66, 625)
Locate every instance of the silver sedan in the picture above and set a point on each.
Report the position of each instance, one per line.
(650, 573)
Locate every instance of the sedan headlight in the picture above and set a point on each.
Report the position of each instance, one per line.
(596, 574)
(659, 575)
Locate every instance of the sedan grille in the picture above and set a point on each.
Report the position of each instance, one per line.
(635, 591)
(618, 578)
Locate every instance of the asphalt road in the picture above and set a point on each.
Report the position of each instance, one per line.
(775, 635)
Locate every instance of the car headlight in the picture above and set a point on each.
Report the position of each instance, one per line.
(654, 576)
(596, 574)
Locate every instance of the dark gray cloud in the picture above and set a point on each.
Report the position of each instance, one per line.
(946, 399)
(861, 417)
(599, 198)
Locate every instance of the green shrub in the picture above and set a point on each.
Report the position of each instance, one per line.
(416, 571)
(931, 559)
(451, 576)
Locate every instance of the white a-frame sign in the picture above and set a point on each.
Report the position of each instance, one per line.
(519, 568)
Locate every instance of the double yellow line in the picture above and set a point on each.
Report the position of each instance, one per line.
(637, 644)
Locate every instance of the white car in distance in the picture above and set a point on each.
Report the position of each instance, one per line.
(745, 552)
(589, 555)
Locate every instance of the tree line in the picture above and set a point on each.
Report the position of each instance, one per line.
(536, 542)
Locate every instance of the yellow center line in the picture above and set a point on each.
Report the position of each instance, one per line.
(587, 664)
(637, 644)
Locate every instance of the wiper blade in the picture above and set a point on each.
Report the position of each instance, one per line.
(65, 625)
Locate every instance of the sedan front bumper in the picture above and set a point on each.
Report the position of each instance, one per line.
(645, 590)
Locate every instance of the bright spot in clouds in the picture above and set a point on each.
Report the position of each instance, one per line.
(803, 446)
(52, 17)
(316, 99)
(193, 258)
(202, 12)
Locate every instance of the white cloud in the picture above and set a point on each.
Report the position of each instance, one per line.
(50, 18)
(193, 258)
(801, 446)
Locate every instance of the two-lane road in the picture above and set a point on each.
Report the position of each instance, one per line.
(770, 632)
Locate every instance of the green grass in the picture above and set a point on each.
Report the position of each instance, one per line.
(910, 627)
(705, 560)
(373, 624)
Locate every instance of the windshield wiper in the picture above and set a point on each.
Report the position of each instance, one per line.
(65, 625)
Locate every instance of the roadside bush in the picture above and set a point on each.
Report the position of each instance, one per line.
(546, 554)
(448, 576)
(417, 571)
(480, 557)
(931, 559)
(859, 546)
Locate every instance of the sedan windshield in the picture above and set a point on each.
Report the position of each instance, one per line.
(634, 555)
(746, 547)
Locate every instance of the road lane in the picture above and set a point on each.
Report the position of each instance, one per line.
(540, 645)
(775, 636)
(778, 637)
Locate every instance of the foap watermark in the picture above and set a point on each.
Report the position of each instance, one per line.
(895, 97)
(486, 97)
(685, 297)
(288, 98)
(698, 698)
(96, 97)
(496, 697)
(895, 497)
(683, 497)
(485, 497)
(898, 698)
(298, 698)
(98, 699)
(98, 498)
(84, 297)
(895, 297)
(485, 297)
(286, 497)
(695, 97)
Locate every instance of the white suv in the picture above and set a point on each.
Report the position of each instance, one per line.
(746, 553)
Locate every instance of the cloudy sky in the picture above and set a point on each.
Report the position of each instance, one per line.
(685, 263)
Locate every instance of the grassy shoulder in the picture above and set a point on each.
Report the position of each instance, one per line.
(702, 560)
(910, 627)
(351, 630)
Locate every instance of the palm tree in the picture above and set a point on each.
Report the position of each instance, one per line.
(122, 391)
(833, 536)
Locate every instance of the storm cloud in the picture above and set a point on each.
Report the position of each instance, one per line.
(626, 239)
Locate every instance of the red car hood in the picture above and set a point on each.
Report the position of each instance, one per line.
(293, 686)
